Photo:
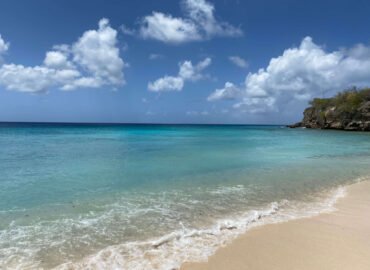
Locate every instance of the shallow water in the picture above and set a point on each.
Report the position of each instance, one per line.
(151, 197)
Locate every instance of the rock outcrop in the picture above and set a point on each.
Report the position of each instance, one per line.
(349, 110)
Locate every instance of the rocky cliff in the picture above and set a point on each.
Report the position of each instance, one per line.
(349, 110)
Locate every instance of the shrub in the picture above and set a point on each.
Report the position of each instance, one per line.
(347, 101)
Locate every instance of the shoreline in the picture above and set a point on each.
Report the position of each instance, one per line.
(334, 240)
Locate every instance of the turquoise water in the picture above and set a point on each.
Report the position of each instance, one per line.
(151, 197)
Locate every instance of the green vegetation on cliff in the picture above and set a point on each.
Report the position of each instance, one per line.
(348, 101)
(348, 110)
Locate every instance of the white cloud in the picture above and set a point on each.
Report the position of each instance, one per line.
(187, 72)
(4, 46)
(300, 74)
(57, 60)
(92, 62)
(238, 61)
(167, 83)
(168, 29)
(199, 23)
(96, 52)
(256, 104)
(201, 12)
(193, 73)
(230, 91)
(34, 79)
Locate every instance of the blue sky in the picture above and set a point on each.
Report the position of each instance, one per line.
(177, 61)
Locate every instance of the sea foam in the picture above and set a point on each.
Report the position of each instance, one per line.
(196, 245)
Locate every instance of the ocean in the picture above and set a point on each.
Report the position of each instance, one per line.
(147, 197)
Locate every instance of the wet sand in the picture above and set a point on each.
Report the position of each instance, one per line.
(336, 240)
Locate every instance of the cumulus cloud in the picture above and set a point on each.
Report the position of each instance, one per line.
(187, 72)
(238, 61)
(4, 46)
(300, 74)
(199, 23)
(91, 62)
(256, 104)
(229, 91)
(168, 29)
(167, 83)
(34, 79)
(193, 73)
(57, 60)
(96, 52)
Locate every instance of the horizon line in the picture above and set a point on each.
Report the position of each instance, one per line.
(134, 123)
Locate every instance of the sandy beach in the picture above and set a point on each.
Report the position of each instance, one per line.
(336, 240)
